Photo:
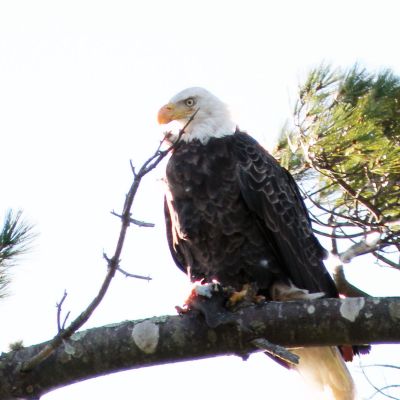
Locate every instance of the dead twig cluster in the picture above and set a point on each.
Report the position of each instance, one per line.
(65, 333)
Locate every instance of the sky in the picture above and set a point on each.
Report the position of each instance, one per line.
(80, 86)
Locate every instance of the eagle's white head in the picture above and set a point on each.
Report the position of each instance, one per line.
(212, 119)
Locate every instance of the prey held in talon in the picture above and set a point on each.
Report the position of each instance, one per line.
(231, 299)
(205, 290)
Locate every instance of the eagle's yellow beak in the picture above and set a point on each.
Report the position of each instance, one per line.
(166, 113)
(171, 112)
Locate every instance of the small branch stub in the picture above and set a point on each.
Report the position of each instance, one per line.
(61, 326)
(276, 350)
(134, 221)
(129, 275)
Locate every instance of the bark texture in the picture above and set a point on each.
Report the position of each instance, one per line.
(160, 340)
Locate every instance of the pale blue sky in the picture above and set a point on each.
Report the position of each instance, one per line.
(80, 86)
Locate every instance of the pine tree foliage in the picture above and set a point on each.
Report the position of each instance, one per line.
(15, 238)
(344, 147)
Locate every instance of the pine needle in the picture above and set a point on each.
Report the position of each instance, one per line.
(16, 236)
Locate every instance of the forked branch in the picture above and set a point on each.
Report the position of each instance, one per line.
(112, 262)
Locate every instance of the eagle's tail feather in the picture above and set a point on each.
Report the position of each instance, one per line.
(323, 368)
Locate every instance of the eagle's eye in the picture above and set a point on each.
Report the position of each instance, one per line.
(190, 102)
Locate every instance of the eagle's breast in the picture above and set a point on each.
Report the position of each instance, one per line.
(218, 234)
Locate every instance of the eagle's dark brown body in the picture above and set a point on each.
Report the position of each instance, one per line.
(234, 215)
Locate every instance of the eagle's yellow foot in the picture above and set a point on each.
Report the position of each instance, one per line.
(237, 297)
(247, 294)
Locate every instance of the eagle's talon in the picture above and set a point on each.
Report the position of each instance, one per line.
(237, 297)
(248, 294)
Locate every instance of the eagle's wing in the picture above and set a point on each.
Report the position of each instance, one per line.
(176, 246)
(272, 194)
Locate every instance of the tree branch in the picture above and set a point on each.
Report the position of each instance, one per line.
(160, 340)
(357, 221)
(386, 260)
(359, 249)
(113, 262)
(344, 286)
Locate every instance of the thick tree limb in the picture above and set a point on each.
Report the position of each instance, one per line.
(160, 340)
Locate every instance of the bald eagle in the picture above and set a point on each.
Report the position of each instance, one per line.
(235, 216)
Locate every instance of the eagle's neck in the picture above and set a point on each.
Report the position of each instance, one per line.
(205, 126)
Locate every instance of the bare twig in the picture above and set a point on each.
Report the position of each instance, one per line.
(321, 189)
(129, 275)
(377, 390)
(132, 168)
(113, 262)
(382, 366)
(331, 174)
(65, 320)
(386, 260)
(356, 221)
(336, 236)
(381, 391)
(59, 308)
(136, 221)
